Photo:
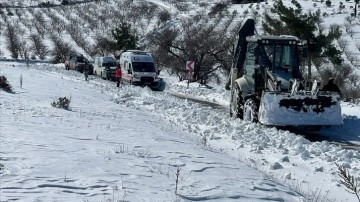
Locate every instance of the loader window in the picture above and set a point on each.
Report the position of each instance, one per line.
(287, 59)
(283, 57)
(250, 59)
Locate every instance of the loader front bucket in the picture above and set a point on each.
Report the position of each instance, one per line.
(284, 109)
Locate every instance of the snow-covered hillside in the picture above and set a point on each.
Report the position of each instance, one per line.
(128, 144)
(82, 26)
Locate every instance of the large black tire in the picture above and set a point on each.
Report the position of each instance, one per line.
(251, 110)
(236, 110)
(313, 128)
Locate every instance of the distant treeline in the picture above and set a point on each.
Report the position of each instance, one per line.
(46, 4)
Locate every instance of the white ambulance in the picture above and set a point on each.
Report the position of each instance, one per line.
(138, 68)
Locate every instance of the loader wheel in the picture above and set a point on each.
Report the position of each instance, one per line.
(313, 128)
(251, 110)
(236, 104)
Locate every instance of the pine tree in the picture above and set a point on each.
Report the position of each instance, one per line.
(293, 21)
(124, 39)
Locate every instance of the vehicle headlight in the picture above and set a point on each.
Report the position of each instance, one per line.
(136, 76)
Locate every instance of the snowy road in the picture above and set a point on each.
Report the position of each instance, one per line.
(334, 134)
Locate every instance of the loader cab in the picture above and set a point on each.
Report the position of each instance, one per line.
(277, 53)
(276, 57)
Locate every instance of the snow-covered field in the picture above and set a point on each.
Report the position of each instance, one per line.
(128, 144)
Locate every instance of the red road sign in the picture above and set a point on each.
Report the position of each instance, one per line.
(190, 65)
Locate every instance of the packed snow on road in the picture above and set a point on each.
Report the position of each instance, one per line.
(134, 144)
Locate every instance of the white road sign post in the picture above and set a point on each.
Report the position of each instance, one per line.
(190, 69)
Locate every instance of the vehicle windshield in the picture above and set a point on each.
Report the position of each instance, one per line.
(143, 67)
(109, 64)
(283, 58)
(80, 59)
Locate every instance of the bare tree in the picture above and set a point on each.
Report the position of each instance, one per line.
(19, 13)
(201, 42)
(40, 24)
(343, 73)
(2, 25)
(56, 23)
(350, 19)
(13, 40)
(4, 16)
(24, 48)
(103, 46)
(60, 49)
(349, 28)
(163, 17)
(89, 17)
(38, 46)
(352, 92)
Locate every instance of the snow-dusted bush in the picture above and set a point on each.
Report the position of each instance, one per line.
(4, 84)
(62, 102)
(328, 3)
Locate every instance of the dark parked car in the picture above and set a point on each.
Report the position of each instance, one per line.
(79, 63)
(65, 2)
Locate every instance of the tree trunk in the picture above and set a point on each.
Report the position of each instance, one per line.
(309, 61)
(309, 67)
(355, 9)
